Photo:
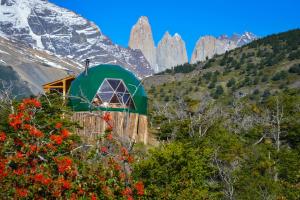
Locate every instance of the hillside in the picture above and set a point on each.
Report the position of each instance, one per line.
(228, 127)
(32, 67)
(261, 68)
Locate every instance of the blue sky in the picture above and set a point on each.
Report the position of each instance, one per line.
(190, 18)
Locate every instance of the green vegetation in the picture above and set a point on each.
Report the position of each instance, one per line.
(185, 68)
(234, 137)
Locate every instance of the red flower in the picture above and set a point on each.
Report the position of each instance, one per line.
(42, 179)
(19, 155)
(65, 133)
(124, 151)
(19, 171)
(18, 142)
(130, 198)
(104, 149)
(33, 147)
(130, 159)
(63, 164)
(80, 191)
(21, 107)
(109, 136)
(107, 117)
(127, 191)
(139, 186)
(2, 137)
(58, 125)
(22, 192)
(35, 132)
(93, 197)
(56, 138)
(122, 176)
(15, 121)
(3, 172)
(117, 167)
(65, 183)
(33, 102)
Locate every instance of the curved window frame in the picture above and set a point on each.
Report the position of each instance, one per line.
(104, 104)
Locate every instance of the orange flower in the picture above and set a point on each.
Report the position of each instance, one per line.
(22, 192)
(15, 121)
(127, 191)
(139, 186)
(130, 159)
(80, 191)
(124, 151)
(122, 176)
(19, 155)
(33, 102)
(33, 147)
(3, 172)
(107, 117)
(56, 138)
(21, 107)
(35, 132)
(65, 183)
(93, 197)
(58, 125)
(19, 171)
(130, 198)
(63, 164)
(40, 178)
(18, 142)
(2, 137)
(104, 149)
(109, 136)
(65, 133)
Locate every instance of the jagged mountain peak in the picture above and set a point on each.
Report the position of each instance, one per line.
(46, 26)
(141, 38)
(143, 19)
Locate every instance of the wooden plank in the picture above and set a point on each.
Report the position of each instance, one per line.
(131, 125)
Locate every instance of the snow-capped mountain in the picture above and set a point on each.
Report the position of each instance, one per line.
(208, 46)
(46, 26)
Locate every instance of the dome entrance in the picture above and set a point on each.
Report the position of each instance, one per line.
(113, 93)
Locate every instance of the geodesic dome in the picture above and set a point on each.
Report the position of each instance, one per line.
(110, 88)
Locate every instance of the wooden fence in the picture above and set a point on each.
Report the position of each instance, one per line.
(130, 125)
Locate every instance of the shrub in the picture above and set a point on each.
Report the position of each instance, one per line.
(231, 82)
(279, 76)
(39, 159)
(295, 69)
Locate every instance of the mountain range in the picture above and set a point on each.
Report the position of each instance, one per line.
(45, 26)
(41, 42)
(171, 50)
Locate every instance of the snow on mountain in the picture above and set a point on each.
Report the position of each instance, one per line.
(48, 27)
(208, 46)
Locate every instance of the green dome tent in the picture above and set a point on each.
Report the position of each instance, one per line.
(109, 88)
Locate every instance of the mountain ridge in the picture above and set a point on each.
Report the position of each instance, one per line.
(44, 25)
(141, 37)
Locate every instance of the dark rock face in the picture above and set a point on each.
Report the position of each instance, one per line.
(43, 25)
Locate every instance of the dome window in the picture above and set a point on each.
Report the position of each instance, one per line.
(113, 93)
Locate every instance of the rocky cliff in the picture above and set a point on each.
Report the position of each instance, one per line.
(171, 52)
(208, 46)
(141, 38)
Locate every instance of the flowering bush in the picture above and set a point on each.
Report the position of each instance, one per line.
(42, 159)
